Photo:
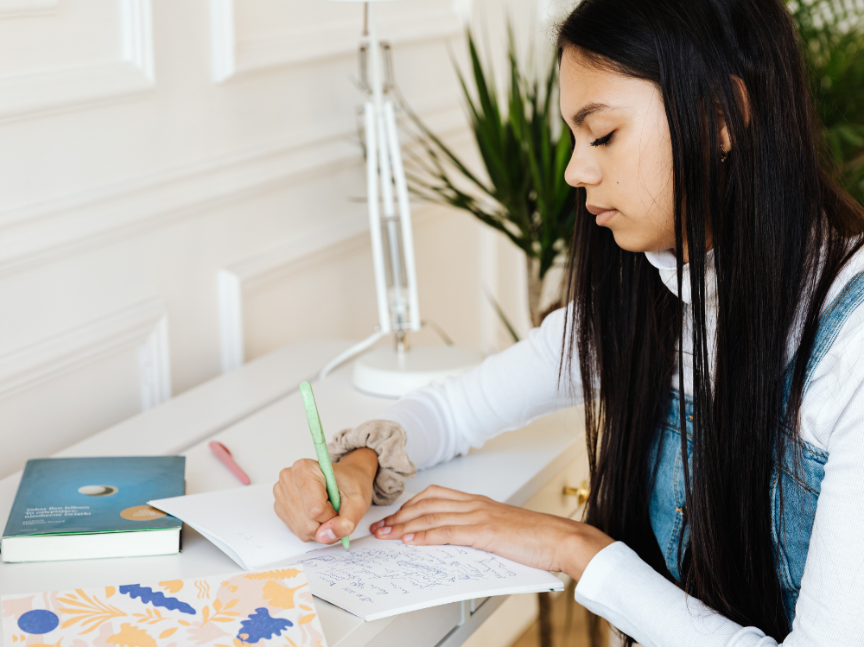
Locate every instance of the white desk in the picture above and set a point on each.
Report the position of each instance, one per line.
(257, 412)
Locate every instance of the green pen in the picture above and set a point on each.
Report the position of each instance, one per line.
(321, 448)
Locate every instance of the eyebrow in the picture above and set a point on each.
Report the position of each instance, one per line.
(588, 109)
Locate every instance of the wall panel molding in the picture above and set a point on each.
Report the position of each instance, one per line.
(39, 233)
(223, 48)
(338, 238)
(154, 361)
(232, 56)
(30, 94)
(19, 8)
(143, 326)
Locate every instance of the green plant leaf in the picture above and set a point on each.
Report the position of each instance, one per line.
(525, 196)
(502, 317)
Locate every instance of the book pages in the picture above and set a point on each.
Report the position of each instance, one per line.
(242, 523)
(378, 578)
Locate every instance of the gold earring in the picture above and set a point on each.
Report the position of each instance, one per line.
(723, 154)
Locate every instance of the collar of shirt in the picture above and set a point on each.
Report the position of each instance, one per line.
(667, 268)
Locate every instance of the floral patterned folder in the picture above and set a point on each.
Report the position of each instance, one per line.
(264, 608)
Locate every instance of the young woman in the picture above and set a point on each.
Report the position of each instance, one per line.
(715, 288)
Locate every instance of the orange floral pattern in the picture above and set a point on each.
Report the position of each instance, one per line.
(226, 610)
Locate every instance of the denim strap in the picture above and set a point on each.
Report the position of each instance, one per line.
(830, 323)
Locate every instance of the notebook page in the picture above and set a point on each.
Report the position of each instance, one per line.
(241, 522)
(379, 578)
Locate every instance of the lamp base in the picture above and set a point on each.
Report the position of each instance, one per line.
(386, 373)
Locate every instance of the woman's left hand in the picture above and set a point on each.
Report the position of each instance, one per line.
(439, 515)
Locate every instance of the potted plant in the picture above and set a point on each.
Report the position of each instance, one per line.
(525, 151)
(832, 42)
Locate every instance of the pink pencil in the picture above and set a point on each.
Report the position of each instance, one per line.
(222, 453)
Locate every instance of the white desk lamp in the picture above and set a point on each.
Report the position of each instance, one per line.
(392, 372)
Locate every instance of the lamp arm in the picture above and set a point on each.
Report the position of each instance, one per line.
(404, 214)
(375, 220)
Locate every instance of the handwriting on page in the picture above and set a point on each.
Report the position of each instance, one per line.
(381, 578)
(368, 573)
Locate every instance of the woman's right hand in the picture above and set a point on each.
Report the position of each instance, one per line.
(302, 503)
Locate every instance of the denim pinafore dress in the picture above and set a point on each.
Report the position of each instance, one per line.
(801, 486)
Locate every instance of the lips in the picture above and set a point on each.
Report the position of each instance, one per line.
(597, 209)
(602, 215)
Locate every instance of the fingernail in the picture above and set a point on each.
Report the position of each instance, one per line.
(408, 537)
(328, 535)
(376, 525)
(384, 531)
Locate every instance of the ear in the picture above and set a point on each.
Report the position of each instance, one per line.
(744, 102)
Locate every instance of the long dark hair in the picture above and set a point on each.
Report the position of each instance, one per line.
(781, 230)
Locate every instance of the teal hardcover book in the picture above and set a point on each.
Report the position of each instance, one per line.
(84, 508)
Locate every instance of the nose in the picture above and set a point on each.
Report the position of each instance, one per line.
(581, 170)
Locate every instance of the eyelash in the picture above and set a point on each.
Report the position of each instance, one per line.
(603, 140)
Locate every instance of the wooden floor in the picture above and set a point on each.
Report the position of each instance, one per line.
(570, 625)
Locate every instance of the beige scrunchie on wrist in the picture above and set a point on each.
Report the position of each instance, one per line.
(388, 440)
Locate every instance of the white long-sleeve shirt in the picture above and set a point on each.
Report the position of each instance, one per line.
(513, 387)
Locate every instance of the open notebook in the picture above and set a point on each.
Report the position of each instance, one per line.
(242, 524)
(375, 579)
(378, 578)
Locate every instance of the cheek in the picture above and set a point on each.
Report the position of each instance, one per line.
(643, 181)
(656, 173)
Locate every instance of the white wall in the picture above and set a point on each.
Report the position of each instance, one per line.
(148, 145)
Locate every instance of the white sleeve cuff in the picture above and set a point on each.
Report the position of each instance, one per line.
(636, 599)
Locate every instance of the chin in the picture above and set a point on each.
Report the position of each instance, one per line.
(630, 243)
